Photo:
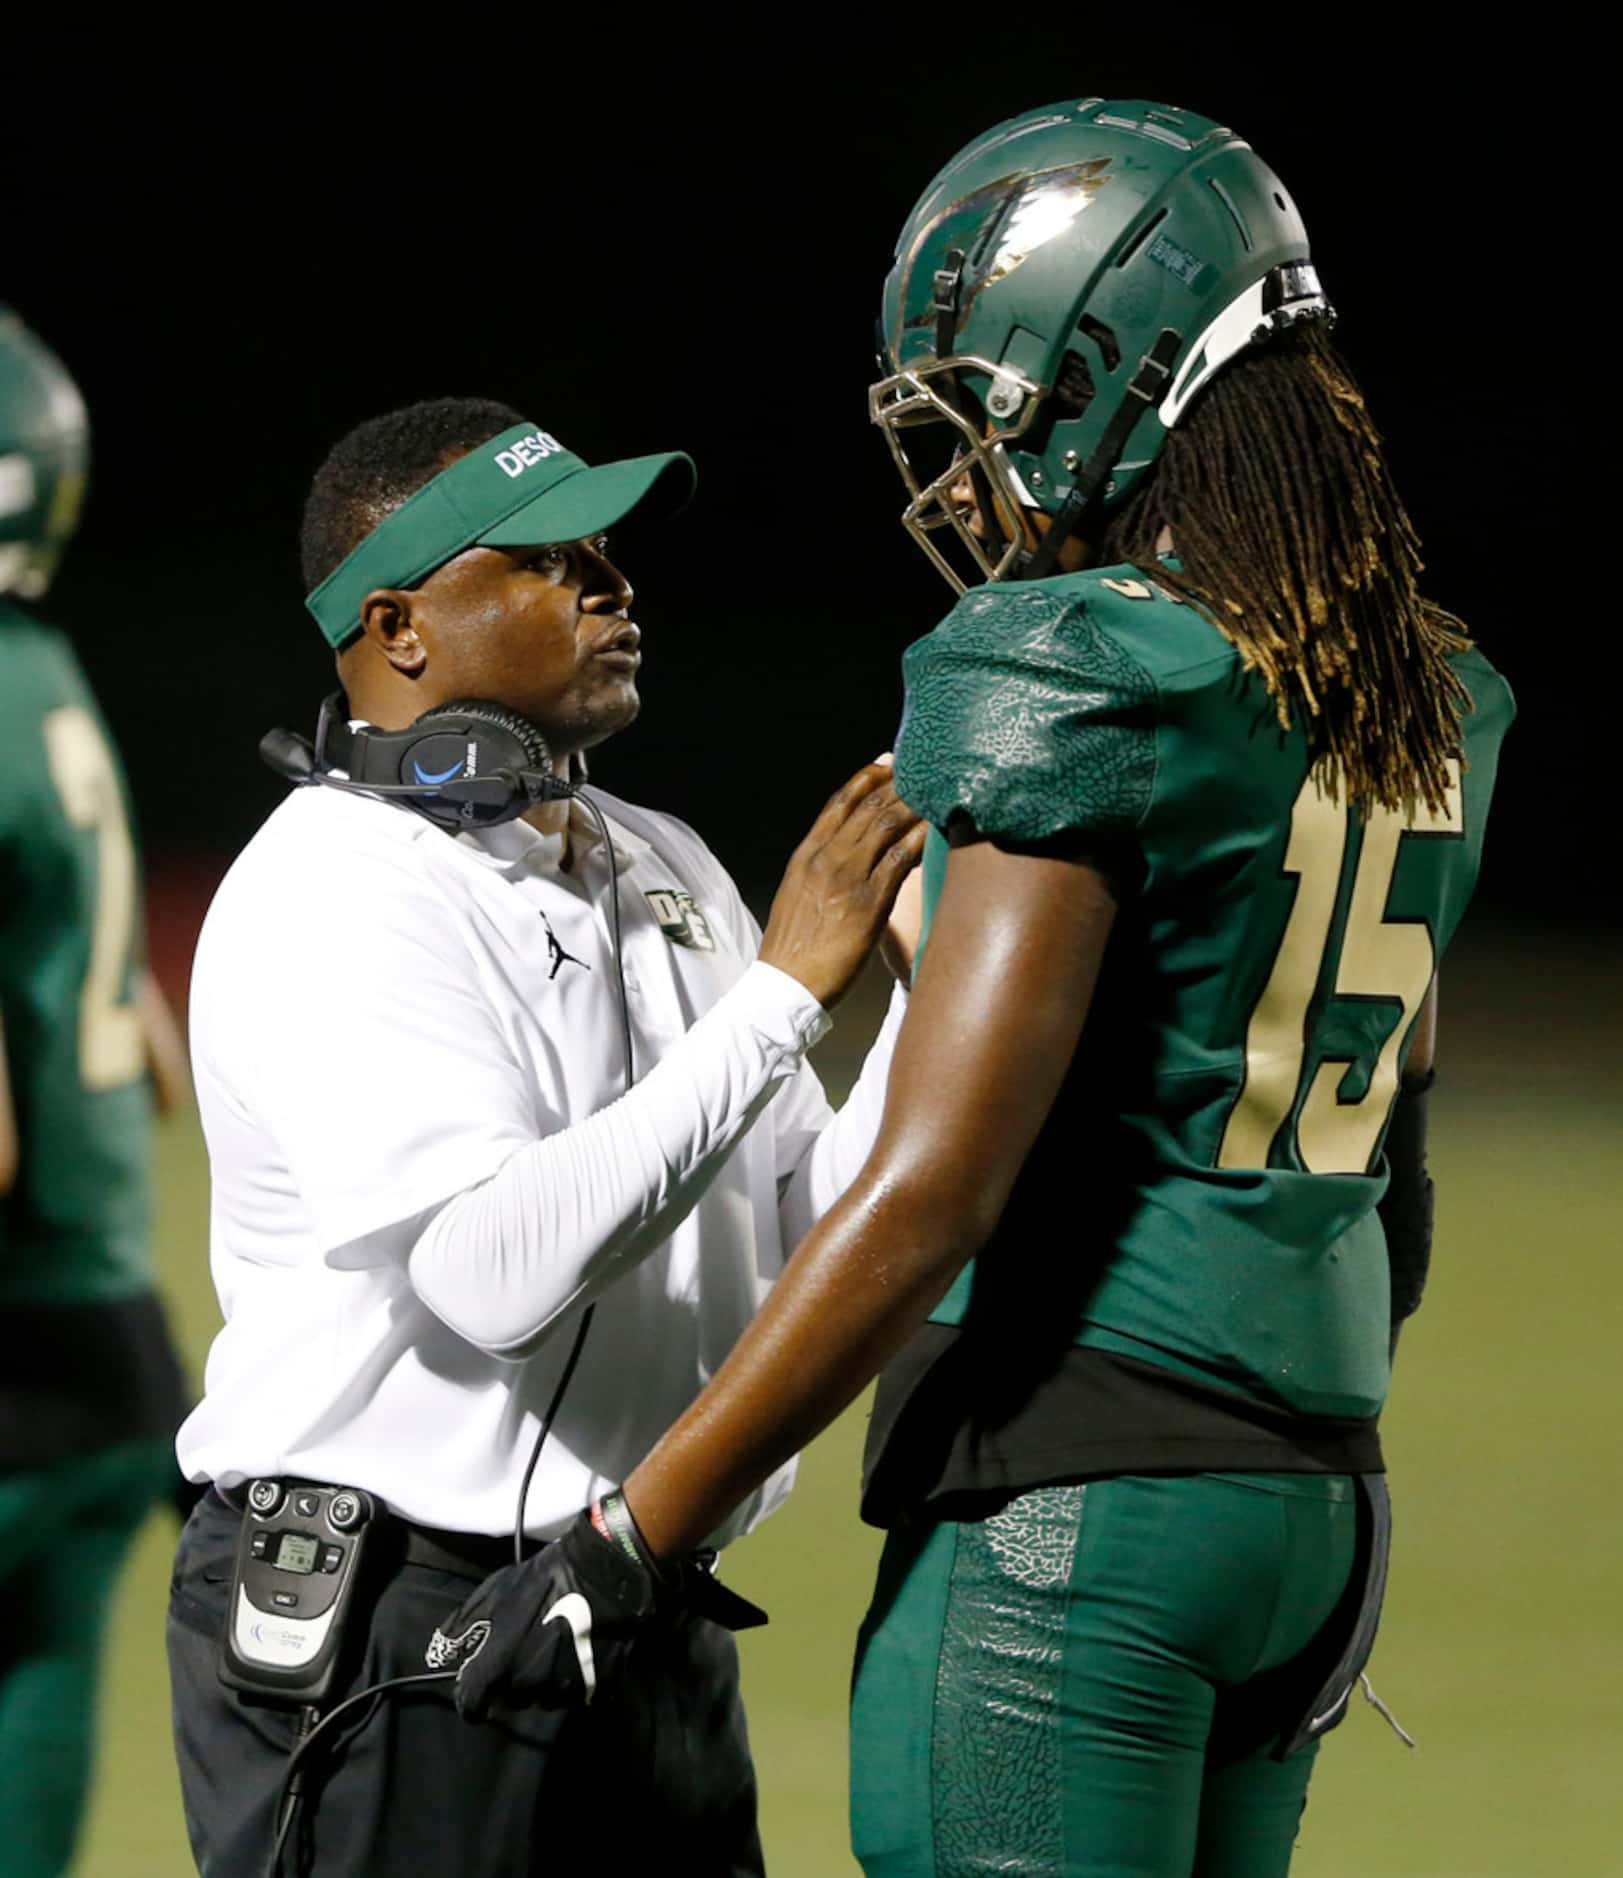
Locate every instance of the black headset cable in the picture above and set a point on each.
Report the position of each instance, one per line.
(286, 1797)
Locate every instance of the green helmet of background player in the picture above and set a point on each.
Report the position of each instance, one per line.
(44, 457)
(1061, 291)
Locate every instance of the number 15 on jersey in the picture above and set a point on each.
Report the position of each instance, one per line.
(1378, 958)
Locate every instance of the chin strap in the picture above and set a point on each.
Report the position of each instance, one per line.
(1148, 383)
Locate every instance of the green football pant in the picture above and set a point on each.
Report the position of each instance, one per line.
(64, 1534)
(1090, 1683)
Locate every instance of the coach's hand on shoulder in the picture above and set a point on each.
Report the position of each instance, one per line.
(841, 882)
(546, 1631)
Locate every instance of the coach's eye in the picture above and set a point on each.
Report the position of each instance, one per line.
(549, 558)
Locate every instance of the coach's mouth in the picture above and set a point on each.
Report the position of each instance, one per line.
(621, 647)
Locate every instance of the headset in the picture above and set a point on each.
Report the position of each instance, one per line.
(465, 765)
(470, 764)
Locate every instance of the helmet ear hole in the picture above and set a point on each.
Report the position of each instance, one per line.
(1103, 338)
(1074, 388)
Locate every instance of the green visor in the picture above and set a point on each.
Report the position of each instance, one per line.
(520, 490)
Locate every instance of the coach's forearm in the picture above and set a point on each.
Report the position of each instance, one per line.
(832, 1157)
(566, 1214)
(857, 1289)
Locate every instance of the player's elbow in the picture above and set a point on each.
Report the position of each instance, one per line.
(943, 1213)
(961, 1227)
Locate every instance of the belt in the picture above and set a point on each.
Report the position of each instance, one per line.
(472, 1555)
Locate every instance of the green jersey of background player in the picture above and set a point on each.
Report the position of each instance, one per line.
(90, 1393)
(1207, 778)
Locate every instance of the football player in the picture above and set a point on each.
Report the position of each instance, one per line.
(90, 1391)
(1207, 777)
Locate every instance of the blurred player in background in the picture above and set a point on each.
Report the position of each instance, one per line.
(1207, 779)
(90, 1391)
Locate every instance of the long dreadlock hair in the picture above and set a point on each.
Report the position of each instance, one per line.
(1295, 544)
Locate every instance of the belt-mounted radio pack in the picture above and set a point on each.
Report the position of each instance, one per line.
(298, 1564)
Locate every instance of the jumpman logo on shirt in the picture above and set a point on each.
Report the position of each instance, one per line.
(556, 952)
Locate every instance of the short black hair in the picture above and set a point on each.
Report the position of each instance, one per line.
(380, 464)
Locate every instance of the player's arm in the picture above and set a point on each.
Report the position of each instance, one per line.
(996, 1012)
(1407, 1208)
(994, 1018)
(10, 1151)
(166, 1052)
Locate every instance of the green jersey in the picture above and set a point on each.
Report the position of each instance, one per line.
(1204, 1194)
(74, 1228)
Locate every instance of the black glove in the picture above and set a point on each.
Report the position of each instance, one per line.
(545, 1631)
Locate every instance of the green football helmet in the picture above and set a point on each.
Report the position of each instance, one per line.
(1060, 293)
(44, 459)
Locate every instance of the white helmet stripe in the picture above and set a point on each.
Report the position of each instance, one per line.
(1240, 324)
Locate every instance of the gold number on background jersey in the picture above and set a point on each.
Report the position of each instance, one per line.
(1379, 959)
(112, 1048)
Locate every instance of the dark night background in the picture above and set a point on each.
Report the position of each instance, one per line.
(241, 253)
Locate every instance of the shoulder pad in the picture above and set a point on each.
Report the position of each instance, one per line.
(1025, 712)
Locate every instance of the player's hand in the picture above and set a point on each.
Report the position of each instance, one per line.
(841, 883)
(548, 1630)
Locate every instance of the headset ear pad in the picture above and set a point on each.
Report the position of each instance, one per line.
(506, 740)
(439, 749)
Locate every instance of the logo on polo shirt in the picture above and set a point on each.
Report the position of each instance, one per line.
(526, 452)
(680, 920)
(556, 952)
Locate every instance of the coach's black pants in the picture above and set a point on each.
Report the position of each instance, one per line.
(654, 1777)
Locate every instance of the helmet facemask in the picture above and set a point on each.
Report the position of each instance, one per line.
(956, 470)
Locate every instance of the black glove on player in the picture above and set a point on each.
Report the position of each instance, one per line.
(544, 1631)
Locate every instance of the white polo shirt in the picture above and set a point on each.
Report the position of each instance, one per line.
(409, 1070)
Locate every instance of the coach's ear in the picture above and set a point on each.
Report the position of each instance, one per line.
(386, 619)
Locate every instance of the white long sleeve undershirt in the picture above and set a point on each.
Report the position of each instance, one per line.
(826, 1165)
(562, 1217)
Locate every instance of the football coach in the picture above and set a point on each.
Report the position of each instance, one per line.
(430, 1158)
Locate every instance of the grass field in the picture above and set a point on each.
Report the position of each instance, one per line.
(1502, 1647)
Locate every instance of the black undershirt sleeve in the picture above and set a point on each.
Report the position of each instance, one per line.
(1407, 1209)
